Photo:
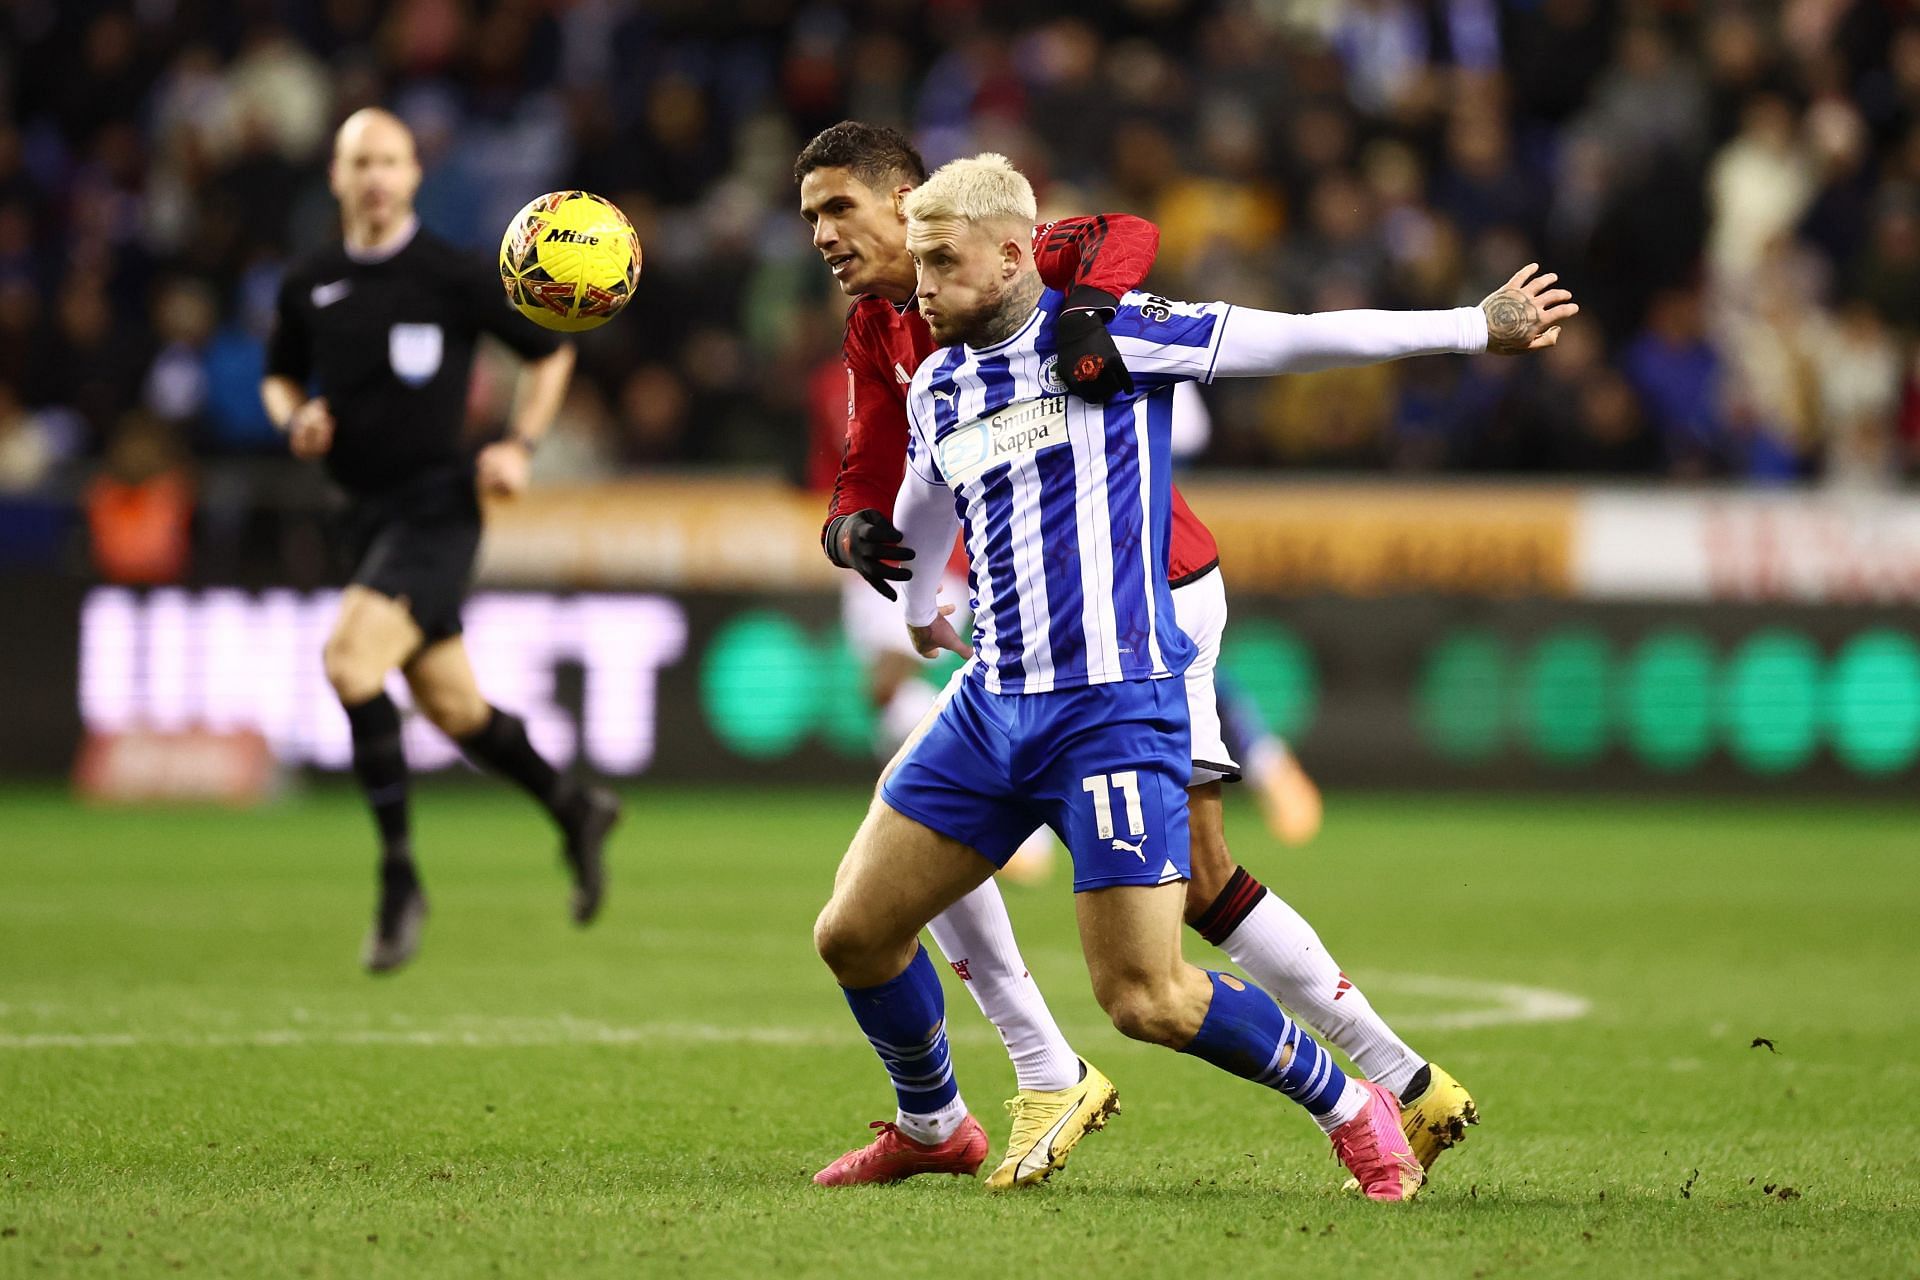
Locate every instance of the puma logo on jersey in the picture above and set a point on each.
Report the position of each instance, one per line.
(943, 395)
(1137, 850)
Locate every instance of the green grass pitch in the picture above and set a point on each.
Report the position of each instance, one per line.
(195, 1078)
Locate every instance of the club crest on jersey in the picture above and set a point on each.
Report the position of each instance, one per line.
(1050, 380)
(414, 351)
(1023, 428)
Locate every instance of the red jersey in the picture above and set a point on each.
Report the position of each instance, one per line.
(886, 343)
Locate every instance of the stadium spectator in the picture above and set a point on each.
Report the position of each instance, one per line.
(140, 506)
(1859, 398)
(1677, 373)
(27, 454)
(1760, 184)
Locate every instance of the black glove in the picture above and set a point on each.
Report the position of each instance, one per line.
(864, 542)
(1090, 364)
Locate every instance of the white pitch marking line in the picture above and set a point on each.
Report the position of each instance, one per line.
(1498, 1004)
(1502, 1004)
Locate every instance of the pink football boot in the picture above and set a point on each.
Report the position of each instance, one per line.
(1375, 1151)
(893, 1156)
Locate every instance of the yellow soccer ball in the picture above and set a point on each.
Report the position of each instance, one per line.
(569, 261)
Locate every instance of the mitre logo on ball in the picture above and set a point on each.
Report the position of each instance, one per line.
(569, 261)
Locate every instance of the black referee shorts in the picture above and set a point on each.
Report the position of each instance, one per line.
(417, 544)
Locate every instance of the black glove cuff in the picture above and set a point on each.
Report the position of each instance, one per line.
(1084, 297)
(831, 540)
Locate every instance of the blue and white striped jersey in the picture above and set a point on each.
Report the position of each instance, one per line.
(1065, 505)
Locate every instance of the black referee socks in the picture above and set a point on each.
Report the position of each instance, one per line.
(380, 763)
(501, 745)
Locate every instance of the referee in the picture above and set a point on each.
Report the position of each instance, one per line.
(367, 371)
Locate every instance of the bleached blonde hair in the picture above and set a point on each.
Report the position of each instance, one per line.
(979, 189)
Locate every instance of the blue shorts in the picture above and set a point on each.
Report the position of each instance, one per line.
(1106, 766)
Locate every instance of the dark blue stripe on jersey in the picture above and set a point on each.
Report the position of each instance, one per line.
(996, 375)
(973, 558)
(996, 380)
(1060, 561)
(1044, 341)
(1133, 321)
(996, 497)
(1127, 521)
(946, 410)
(1176, 649)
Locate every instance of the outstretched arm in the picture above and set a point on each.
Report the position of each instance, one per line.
(1257, 343)
(1522, 315)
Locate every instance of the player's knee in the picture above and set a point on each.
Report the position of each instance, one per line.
(860, 949)
(354, 677)
(843, 943)
(1148, 1011)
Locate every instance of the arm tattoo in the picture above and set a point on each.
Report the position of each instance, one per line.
(1511, 317)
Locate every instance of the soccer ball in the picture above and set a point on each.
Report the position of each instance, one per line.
(569, 261)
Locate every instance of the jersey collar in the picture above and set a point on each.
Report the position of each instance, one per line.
(1039, 311)
(388, 250)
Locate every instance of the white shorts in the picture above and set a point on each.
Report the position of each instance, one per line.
(875, 625)
(1200, 607)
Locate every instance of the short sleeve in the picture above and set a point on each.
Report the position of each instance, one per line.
(289, 350)
(1163, 341)
(485, 301)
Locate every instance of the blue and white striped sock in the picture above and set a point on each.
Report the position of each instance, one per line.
(1246, 1033)
(905, 1022)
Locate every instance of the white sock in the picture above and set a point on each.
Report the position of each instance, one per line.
(1264, 754)
(1280, 951)
(976, 937)
(932, 1128)
(1353, 1100)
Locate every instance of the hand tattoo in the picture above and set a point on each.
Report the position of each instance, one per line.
(1511, 320)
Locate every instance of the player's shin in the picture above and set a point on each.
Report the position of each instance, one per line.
(976, 936)
(1246, 1033)
(380, 765)
(502, 745)
(904, 1019)
(1275, 946)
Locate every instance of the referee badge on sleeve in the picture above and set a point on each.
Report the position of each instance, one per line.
(414, 352)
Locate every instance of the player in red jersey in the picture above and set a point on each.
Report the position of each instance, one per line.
(853, 180)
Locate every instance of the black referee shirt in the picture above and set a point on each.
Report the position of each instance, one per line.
(390, 344)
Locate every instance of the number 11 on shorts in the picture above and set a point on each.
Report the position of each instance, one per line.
(1127, 783)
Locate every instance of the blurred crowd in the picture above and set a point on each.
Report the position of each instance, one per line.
(1732, 189)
